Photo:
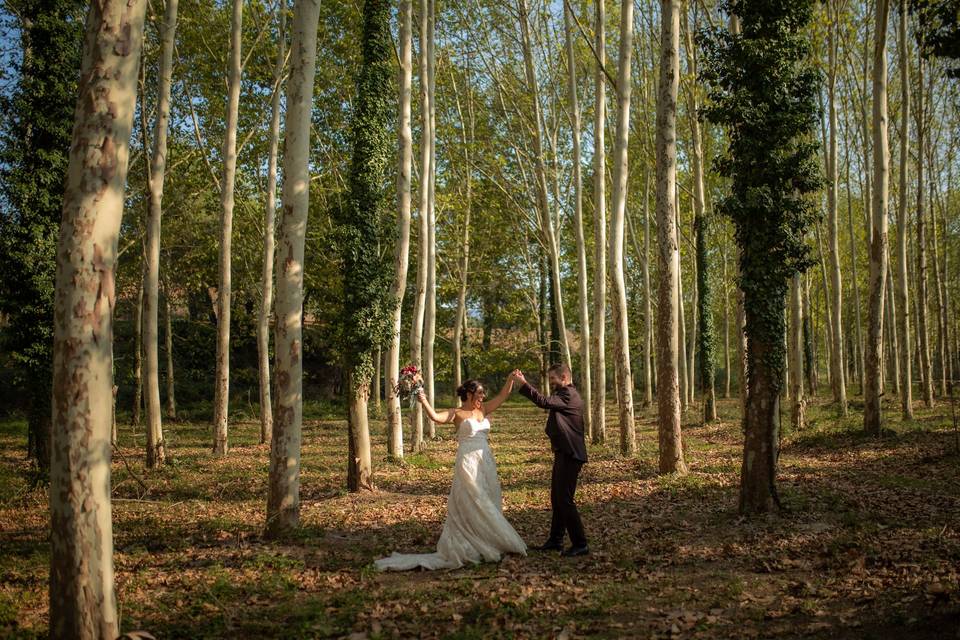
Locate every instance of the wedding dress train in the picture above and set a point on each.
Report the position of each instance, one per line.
(475, 529)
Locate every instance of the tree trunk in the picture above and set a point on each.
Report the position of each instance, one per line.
(621, 327)
(857, 346)
(459, 323)
(598, 345)
(82, 597)
(668, 321)
(938, 289)
(283, 499)
(364, 313)
(151, 297)
(430, 313)
(837, 372)
(269, 230)
(138, 354)
(926, 366)
(578, 223)
(795, 351)
(741, 311)
(681, 324)
(402, 248)
(168, 334)
(359, 467)
(419, 303)
(762, 419)
(221, 402)
(890, 326)
(726, 329)
(704, 310)
(809, 343)
(647, 296)
(377, 373)
(873, 389)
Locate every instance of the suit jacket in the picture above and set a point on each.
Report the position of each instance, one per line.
(565, 422)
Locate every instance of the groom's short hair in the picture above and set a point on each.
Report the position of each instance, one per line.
(560, 370)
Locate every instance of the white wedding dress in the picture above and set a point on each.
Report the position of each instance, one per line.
(475, 529)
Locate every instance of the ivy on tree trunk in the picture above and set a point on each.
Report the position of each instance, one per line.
(763, 89)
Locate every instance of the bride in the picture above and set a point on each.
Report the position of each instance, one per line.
(475, 529)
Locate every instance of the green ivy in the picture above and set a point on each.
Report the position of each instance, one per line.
(34, 144)
(763, 89)
(364, 219)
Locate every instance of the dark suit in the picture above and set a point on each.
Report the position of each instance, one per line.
(565, 430)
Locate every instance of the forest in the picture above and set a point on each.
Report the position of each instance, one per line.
(227, 227)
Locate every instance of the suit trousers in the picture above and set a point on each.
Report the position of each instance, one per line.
(563, 485)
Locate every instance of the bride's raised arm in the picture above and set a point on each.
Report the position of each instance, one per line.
(443, 417)
(491, 405)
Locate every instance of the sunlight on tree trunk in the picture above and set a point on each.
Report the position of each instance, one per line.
(151, 299)
(671, 459)
(82, 597)
(620, 321)
(283, 499)
(873, 387)
(221, 402)
(430, 313)
(402, 248)
(584, 369)
(795, 352)
(419, 302)
(269, 231)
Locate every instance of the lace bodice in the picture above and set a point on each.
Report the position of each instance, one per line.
(472, 427)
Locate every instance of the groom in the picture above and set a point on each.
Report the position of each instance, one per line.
(565, 429)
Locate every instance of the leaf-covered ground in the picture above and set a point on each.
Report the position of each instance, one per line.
(869, 546)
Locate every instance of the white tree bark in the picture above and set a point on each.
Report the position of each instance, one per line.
(647, 295)
(578, 222)
(873, 387)
(926, 364)
(430, 314)
(598, 343)
(681, 325)
(621, 327)
(837, 371)
(668, 391)
(82, 596)
(795, 353)
(419, 303)
(269, 229)
(221, 400)
(726, 328)
(151, 298)
(402, 249)
(283, 499)
(168, 335)
(460, 319)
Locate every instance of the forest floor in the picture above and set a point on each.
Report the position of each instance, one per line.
(868, 547)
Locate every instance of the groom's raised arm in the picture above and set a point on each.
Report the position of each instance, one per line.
(557, 401)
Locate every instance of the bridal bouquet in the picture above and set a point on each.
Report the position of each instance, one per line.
(410, 384)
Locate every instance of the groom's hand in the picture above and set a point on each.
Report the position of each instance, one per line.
(518, 376)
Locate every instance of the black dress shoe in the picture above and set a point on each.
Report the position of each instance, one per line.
(549, 545)
(573, 552)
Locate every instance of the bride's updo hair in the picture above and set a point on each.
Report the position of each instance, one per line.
(469, 387)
